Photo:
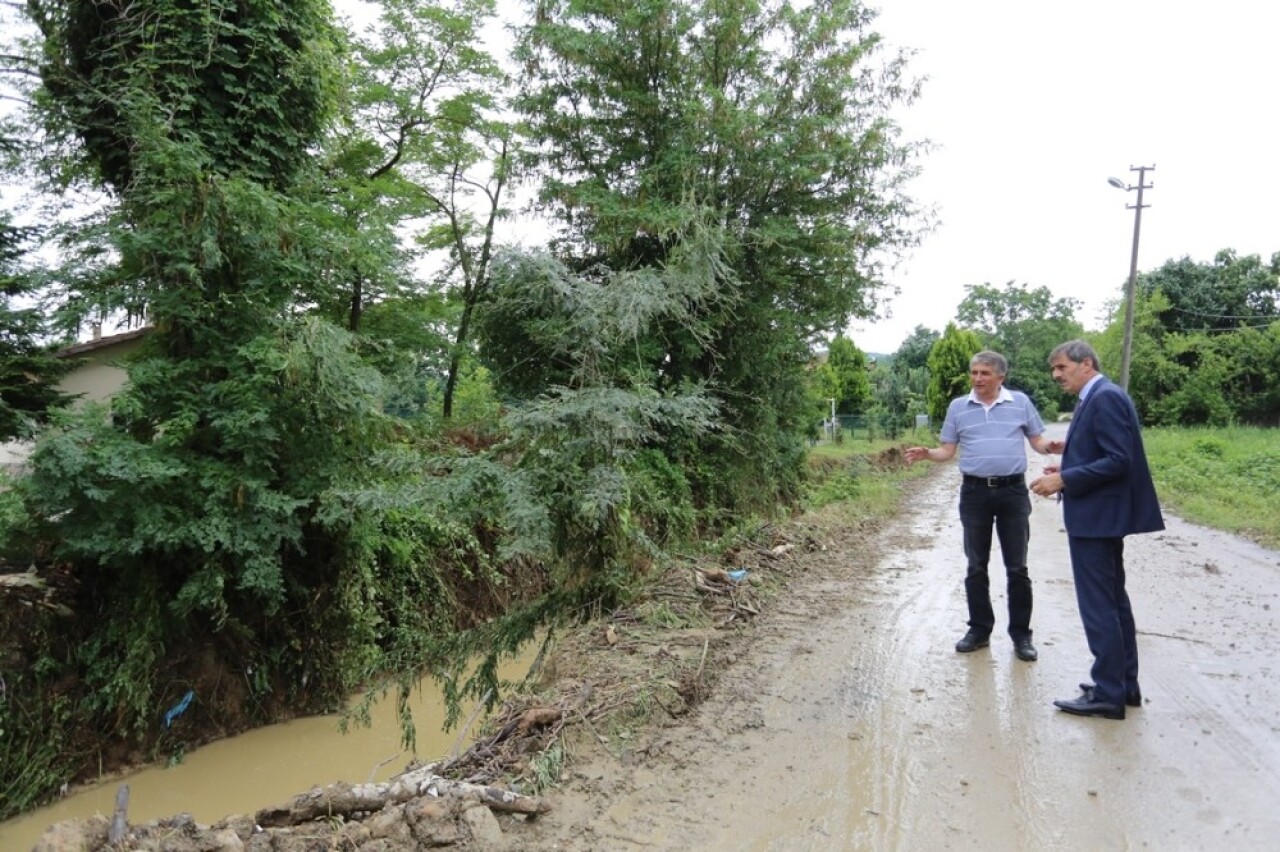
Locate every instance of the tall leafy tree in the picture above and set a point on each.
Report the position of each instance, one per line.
(425, 144)
(913, 352)
(29, 372)
(845, 372)
(1229, 293)
(1024, 325)
(200, 506)
(949, 369)
(767, 118)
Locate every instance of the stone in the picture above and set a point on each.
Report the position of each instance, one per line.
(486, 833)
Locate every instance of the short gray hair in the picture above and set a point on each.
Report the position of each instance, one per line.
(994, 360)
(1077, 351)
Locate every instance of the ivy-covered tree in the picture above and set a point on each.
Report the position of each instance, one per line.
(199, 506)
(949, 369)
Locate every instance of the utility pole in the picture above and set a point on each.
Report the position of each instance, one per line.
(1127, 347)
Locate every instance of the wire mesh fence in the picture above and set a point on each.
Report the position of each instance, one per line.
(874, 426)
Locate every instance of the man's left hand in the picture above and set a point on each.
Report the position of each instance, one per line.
(1047, 485)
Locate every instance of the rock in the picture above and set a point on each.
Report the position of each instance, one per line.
(74, 835)
(390, 824)
(434, 822)
(224, 840)
(241, 824)
(485, 831)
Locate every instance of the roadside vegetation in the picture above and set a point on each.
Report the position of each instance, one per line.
(369, 436)
(372, 435)
(1227, 478)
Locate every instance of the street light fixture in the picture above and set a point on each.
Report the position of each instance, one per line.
(1127, 347)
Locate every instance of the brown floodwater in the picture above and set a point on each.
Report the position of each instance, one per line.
(265, 766)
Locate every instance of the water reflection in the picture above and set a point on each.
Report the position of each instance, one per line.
(242, 774)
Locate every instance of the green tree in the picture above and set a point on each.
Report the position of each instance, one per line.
(949, 369)
(424, 146)
(1253, 392)
(895, 400)
(768, 119)
(845, 376)
(1203, 348)
(1224, 295)
(1024, 325)
(251, 83)
(198, 507)
(28, 371)
(914, 351)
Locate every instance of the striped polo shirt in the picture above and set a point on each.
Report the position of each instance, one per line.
(990, 440)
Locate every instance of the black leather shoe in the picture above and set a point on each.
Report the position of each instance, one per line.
(972, 641)
(1084, 706)
(1025, 650)
(1132, 698)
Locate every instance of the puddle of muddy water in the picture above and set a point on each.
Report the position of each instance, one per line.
(266, 766)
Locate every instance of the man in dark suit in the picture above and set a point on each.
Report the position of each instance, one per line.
(1107, 493)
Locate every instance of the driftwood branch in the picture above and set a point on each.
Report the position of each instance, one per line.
(343, 799)
(120, 820)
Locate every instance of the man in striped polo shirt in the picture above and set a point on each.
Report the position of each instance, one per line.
(988, 426)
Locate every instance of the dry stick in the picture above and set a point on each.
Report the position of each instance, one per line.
(706, 643)
(660, 703)
(380, 764)
(453, 753)
(592, 728)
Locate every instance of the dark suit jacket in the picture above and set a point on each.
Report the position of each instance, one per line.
(1107, 490)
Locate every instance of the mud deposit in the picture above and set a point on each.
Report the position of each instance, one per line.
(851, 723)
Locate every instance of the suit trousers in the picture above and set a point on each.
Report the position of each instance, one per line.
(1098, 567)
(1008, 509)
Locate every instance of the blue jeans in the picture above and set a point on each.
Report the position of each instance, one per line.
(1008, 509)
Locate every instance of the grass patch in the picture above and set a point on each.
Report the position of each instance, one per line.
(868, 474)
(857, 444)
(1225, 478)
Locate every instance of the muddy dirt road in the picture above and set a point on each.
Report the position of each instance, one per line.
(852, 723)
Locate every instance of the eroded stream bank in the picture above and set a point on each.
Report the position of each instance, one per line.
(842, 719)
(262, 767)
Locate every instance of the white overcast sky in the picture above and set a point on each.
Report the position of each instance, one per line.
(1032, 106)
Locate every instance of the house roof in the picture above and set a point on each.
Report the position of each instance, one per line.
(101, 342)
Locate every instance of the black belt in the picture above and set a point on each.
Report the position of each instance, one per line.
(995, 481)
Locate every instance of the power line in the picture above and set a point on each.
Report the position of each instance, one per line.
(1224, 316)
